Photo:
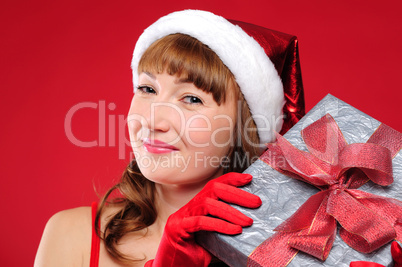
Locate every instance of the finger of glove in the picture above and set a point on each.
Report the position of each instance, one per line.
(149, 263)
(205, 223)
(396, 252)
(234, 178)
(221, 210)
(236, 196)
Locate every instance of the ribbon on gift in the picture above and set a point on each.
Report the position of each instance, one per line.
(367, 221)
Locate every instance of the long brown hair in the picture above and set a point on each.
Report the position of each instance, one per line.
(188, 58)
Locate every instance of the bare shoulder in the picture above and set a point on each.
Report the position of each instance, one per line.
(66, 240)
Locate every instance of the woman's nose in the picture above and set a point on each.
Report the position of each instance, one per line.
(162, 116)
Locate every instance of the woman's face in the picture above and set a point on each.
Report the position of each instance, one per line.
(179, 134)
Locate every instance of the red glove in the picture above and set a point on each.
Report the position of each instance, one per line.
(178, 247)
(396, 252)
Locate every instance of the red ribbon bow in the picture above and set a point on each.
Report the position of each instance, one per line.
(367, 221)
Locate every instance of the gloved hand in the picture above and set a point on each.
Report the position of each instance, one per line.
(396, 252)
(178, 247)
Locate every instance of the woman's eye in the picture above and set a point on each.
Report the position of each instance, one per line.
(192, 100)
(146, 89)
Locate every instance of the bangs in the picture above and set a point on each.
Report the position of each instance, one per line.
(184, 56)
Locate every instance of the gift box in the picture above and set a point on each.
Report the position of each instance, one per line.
(282, 196)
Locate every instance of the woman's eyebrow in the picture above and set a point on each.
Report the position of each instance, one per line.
(183, 80)
(150, 75)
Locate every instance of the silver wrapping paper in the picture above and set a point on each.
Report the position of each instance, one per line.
(282, 196)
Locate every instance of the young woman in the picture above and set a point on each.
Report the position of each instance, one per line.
(207, 98)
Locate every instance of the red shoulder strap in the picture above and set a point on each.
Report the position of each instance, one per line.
(95, 244)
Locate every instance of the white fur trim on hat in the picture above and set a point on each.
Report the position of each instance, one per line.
(253, 70)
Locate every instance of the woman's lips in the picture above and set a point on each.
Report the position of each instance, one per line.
(158, 147)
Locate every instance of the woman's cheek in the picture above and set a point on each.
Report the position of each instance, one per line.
(198, 131)
(136, 123)
(138, 117)
(223, 130)
(134, 129)
(206, 132)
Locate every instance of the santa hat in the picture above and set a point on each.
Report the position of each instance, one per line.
(265, 64)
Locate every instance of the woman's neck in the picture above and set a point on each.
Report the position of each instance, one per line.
(170, 198)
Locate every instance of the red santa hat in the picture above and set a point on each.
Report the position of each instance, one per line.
(265, 64)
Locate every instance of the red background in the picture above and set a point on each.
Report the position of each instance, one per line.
(56, 54)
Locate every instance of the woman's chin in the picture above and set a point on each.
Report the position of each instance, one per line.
(161, 175)
(179, 176)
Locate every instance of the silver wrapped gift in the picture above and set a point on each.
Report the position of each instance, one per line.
(282, 196)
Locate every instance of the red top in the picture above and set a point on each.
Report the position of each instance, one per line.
(95, 243)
